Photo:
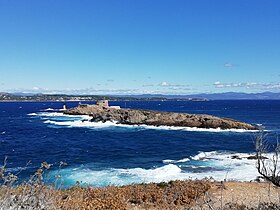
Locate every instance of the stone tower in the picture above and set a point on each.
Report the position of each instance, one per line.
(102, 103)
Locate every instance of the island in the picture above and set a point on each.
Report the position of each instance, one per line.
(102, 112)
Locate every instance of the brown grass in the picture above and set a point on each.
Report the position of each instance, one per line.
(172, 195)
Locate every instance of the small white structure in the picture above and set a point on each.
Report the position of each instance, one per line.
(115, 107)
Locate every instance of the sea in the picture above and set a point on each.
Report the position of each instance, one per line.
(102, 154)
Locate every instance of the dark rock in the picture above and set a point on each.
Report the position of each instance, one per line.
(236, 157)
(254, 157)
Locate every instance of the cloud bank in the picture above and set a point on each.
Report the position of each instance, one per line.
(255, 85)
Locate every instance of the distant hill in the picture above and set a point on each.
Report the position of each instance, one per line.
(220, 96)
(65, 97)
(191, 97)
(241, 96)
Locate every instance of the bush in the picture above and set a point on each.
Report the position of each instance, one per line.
(32, 194)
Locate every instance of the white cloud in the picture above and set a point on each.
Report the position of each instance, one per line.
(74, 91)
(166, 84)
(148, 85)
(180, 88)
(35, 88)
(102, 91)
(229, 65)
(255, 85)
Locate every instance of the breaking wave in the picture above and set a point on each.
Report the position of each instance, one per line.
(32, 114)
(59, 114)
(87, 176)
(213, 164)
(88, 124)
(49, 109)
(176, 161)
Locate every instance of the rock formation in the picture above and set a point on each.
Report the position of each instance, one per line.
(100, 113)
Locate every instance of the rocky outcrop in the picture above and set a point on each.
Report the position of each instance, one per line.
(155, 118)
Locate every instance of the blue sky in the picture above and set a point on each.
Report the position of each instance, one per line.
(139, 46)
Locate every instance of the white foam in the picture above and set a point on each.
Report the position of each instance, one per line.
(217, 165)
(32, 114)
(168, 161)
(164, 173)
(79, 123)
(176, 161)
(183, 160)
(53, 114)
(240, 168)
(59, 114)
(49, 109)
(216, 130)
(191, 128)
(198, 167)
(120, 176)
(215, 155)
(203, 155)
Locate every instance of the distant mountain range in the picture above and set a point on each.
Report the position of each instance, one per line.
(192, 97)
(222, 96)
(64, 97)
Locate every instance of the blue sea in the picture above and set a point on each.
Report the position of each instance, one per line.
(101, 154)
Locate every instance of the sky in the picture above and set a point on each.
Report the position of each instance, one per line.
(139, 46)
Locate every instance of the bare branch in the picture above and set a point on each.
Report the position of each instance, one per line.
(268, 167)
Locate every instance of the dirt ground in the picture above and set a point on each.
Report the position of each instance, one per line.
(249, 194)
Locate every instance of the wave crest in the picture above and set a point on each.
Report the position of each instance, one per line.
(82, 123)
(213, 164)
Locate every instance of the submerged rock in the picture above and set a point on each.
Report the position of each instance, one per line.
(106, 113)
(255, 157)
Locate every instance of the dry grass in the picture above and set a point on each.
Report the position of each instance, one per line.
(22, 197)
(172, 195)
(195, 195)
(32, 194)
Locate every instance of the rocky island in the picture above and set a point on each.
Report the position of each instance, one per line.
(102, 112)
